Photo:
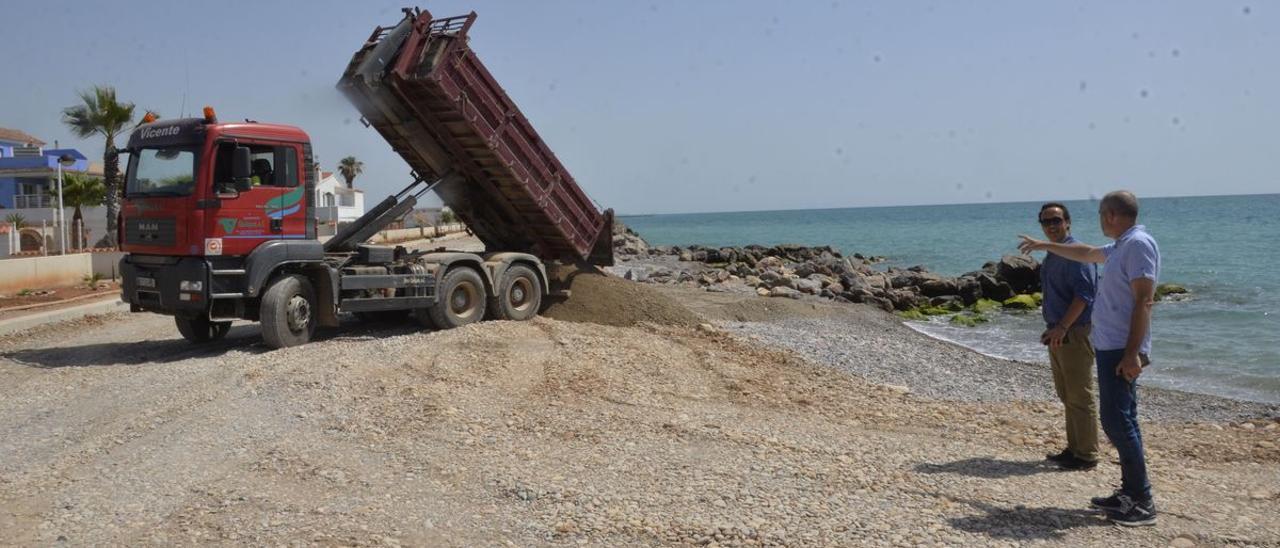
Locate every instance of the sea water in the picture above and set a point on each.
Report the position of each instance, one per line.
(1224, 339)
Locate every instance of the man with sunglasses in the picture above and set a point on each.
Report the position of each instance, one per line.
(1068, 305)
(1122, 336)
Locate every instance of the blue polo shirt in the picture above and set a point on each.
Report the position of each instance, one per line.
(1061, 281)
(1133, 255)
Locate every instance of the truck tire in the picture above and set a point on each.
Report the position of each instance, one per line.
(201, 330)
(519, 295)
(288, 312)
(460, 299)
(423, 316)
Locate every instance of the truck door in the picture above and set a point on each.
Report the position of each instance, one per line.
(243, 223)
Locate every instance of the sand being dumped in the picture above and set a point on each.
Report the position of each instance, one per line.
(603, 299)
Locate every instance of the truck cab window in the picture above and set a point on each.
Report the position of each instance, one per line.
(262, 166)
(268, 166)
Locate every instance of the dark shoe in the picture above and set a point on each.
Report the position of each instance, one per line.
(1074, 463)
(1135, 514)
(1064, 456)
(1112, 503)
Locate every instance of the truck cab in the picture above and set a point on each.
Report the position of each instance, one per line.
(191, 218)
(218, 225)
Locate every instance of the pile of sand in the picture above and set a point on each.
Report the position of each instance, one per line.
(599, 298)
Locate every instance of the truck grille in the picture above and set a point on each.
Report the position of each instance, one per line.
(153, 232)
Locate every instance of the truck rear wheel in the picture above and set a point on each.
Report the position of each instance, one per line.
(288, 312)
(519, 295)
(460, 299)
(201, 330)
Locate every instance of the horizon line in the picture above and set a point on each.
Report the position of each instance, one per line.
(933, 205)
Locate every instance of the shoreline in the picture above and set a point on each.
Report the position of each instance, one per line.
(915, 326)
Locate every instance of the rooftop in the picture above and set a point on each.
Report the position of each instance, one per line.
(18, 136)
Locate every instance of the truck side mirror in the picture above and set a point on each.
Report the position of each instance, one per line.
(240, 175)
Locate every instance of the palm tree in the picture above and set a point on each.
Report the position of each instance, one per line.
(17, 221)
(349, 167)
(79, 190)
(100, 113)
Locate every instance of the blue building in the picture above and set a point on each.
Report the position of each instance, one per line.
(29, 172)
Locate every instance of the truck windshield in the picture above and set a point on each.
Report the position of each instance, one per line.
(161, 172)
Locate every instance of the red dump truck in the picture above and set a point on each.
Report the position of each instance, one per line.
(218, 218)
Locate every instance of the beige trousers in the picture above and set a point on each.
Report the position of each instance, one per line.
(1073, 379)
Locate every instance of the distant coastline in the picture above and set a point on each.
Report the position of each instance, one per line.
(1017, 202)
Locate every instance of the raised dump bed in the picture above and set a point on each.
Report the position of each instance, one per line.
(423, 88)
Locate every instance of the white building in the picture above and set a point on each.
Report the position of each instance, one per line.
(335, 203)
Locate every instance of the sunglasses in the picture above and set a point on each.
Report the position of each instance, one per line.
(1052, 221)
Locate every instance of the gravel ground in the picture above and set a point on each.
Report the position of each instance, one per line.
(114, 431)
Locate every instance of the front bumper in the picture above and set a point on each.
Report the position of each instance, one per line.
(153, 284)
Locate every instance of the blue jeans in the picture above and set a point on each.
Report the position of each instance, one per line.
(1118, 410)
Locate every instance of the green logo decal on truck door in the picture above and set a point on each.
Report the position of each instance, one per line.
(286, 204)
(228, 225)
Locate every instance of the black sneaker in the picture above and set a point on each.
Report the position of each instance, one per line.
(1064, 456)
(1112, 503)
(1136, 514)
(1074, 463)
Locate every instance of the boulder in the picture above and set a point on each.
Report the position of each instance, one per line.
(951, 303)
(985, 305)
(784, 292)
(860, 296)
(854, 282)
(968, 289)
(770, 278)
(804, 270)
(752, 281)
(881, 303)
(1165, 290)
(878, 280)
(806, 285)
(993, 288)
(902, 299)
(762, 291)
(768, 262)
(1020, 302)
(685, 255)
(933, 285)
(904, 278)
(1021, 272)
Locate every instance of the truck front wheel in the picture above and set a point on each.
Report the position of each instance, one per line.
(288, 312)
(460, 299)
(519, 295)
(201, 330)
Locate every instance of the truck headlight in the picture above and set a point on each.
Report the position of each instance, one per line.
(190, 285)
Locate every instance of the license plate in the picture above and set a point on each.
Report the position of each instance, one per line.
(146, 282)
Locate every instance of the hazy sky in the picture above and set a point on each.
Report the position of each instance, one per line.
(721, 106)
